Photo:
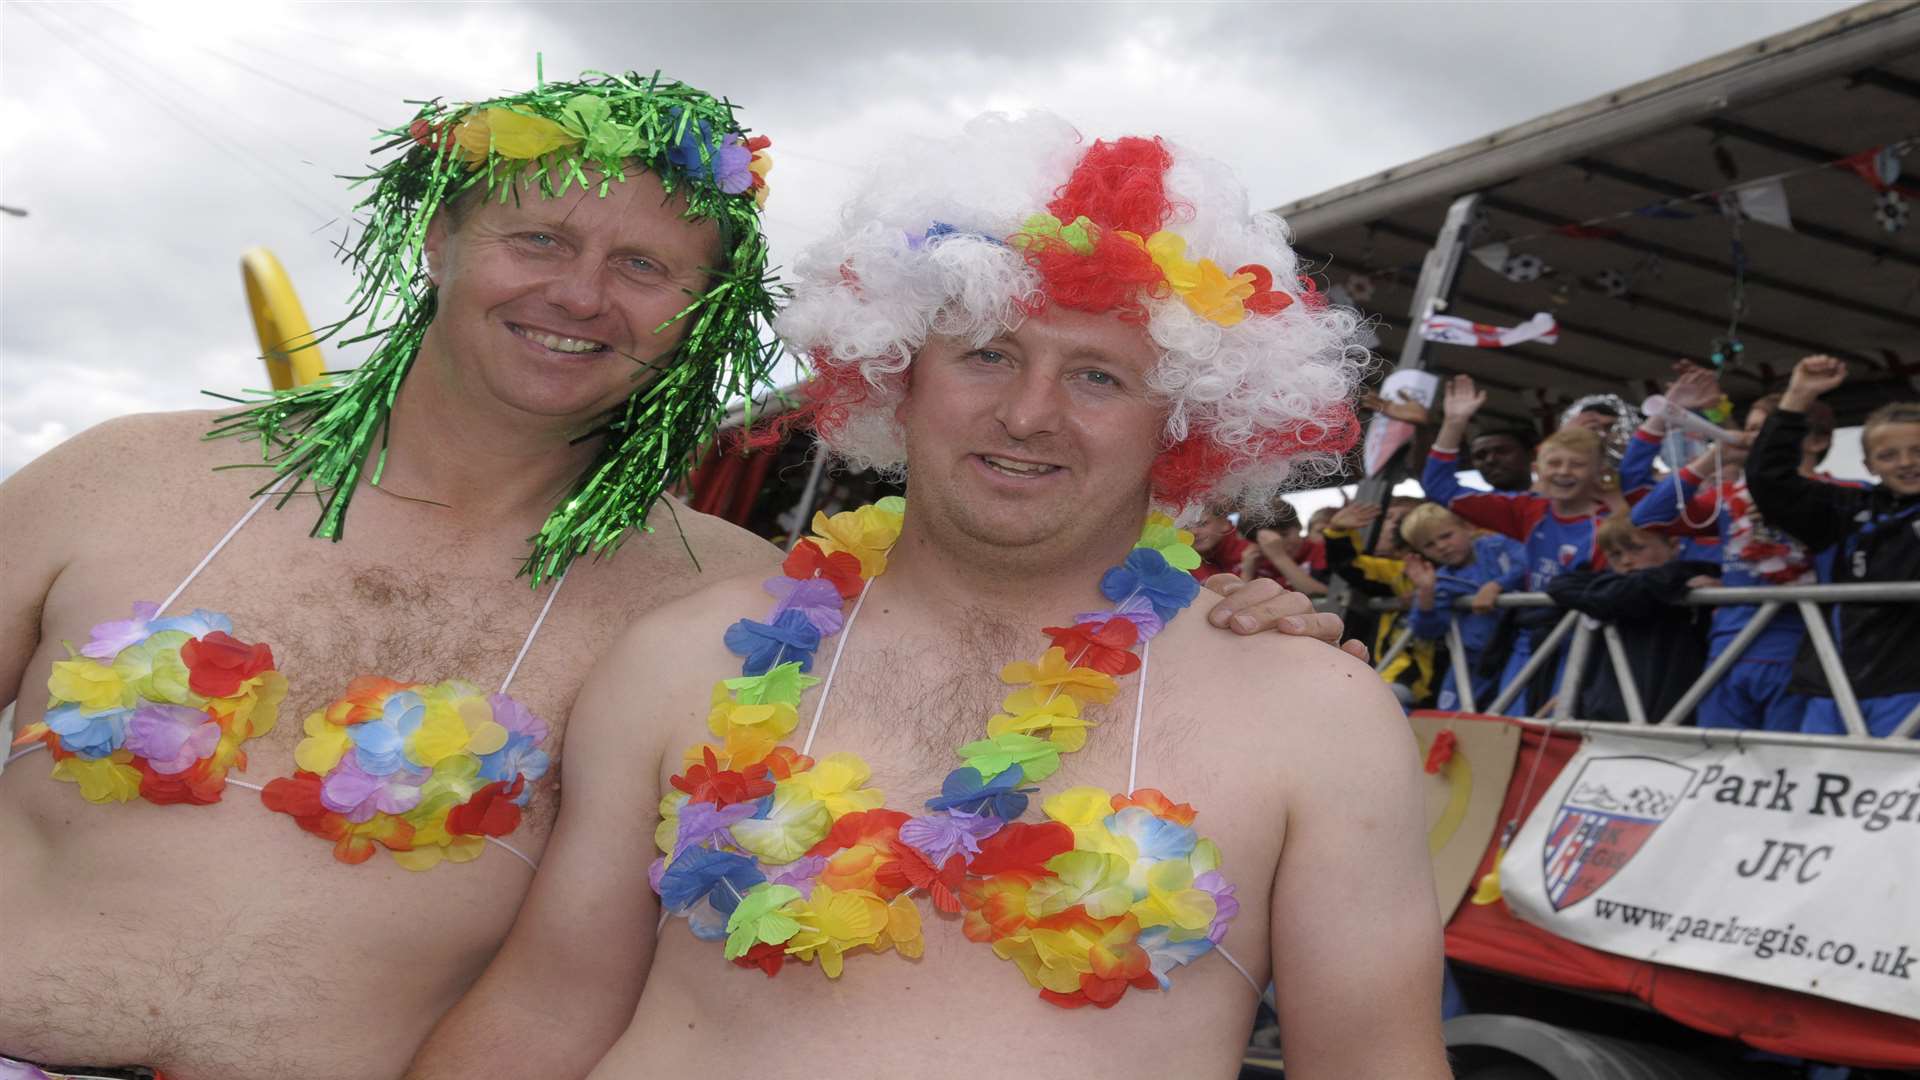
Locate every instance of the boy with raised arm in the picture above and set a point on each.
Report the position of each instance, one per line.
(1877, 531)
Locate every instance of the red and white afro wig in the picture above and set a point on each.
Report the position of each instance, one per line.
(966, 237)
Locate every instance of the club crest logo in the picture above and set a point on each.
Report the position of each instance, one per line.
(1614, 806)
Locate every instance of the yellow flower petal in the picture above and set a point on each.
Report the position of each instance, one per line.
(323, 747)
(1078, 806)
(102, 780)
(520, 136)
(90, 684)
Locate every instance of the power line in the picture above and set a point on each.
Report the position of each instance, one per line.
(256, 72)
(176, 112)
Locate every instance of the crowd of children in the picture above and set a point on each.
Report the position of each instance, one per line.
(1598, 530)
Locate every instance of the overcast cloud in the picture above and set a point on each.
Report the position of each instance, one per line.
(151, 144)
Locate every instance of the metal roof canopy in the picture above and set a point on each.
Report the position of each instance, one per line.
(1836, 283)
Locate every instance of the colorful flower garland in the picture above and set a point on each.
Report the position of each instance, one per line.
(781, 855)
(427, 771)
(157, 708)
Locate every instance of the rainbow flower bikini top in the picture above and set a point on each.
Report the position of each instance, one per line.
(160, 708)
(781, 855)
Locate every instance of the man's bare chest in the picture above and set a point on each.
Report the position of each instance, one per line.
(410, 610)
(907, 706)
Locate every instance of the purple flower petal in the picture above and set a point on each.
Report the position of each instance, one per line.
(357, 794)
(1225, 905)
(1138, 610)
(816, 598)
(730, 162)
(107, 639)
(941, 836)
(800, 872)
(517, 718)
(701, 821)
(171, 737)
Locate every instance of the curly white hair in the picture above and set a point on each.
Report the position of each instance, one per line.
(1256, 406)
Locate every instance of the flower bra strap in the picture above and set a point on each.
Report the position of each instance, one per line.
(259, 501)
(539, 620)
(826, 688)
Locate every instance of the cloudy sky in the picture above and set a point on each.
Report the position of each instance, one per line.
(151, 143)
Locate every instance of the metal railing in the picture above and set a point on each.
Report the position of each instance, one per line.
(1575, 633)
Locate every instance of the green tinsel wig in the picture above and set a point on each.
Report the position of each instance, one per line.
(546, 139)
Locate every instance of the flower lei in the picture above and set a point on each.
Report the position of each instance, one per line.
(1212, 293)
(781, 855)
(157, 708)
(427, 771)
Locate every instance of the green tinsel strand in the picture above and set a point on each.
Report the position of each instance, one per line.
(323, 434)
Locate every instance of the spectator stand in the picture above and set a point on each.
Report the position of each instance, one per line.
(1733, 211)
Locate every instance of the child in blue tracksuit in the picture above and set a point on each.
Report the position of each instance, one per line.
(1449, 563)
(1877, 531)
(1755, 693)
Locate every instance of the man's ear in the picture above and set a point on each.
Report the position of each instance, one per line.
(904, 409)
(435, 245)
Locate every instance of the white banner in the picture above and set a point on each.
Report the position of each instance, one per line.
(1454, 330)
(1795, 867)
(1385, 435)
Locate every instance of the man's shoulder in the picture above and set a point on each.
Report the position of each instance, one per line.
(713, 549)
(656, 644)
(139, 455)
(1295, 685)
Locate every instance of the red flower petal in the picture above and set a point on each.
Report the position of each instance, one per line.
(767, 958)
(862, 826)
(1104, 647)
(490, 812)
(806, 560)
(1022, 847)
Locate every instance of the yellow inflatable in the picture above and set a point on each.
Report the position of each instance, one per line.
(286, 337)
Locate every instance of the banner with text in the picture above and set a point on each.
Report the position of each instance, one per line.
(1790, 866)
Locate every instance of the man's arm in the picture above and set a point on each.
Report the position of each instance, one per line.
(1816, 514)
(1356, 931)
(563, 988)
(1499, 511)
(1607, 595)
(43, 509)
(30, 560)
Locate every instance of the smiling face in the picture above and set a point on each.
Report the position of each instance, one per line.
(1568, 476)
(549, 306)
(1893, 455)
(1041, 438)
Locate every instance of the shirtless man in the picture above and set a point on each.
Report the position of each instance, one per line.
(1034, 428)
(219, 941)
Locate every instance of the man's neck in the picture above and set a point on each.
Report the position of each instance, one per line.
(486, 462)
(931, 570)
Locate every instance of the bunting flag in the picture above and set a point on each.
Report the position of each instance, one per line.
(1765, 203)
(1879, 167)
(1453, 330)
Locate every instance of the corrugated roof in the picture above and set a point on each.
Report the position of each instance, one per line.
(1790, 104)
